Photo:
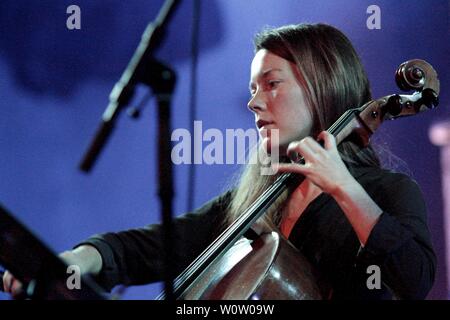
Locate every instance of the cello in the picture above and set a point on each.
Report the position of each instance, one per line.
(269, 267)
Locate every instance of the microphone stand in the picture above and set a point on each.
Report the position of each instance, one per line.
(143, 68)
(163, 89)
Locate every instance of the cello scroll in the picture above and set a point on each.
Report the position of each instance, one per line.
(417, 75)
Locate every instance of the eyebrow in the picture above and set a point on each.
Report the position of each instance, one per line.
(268, 71)
(265, 74)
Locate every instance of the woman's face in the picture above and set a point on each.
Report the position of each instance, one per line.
(278, 101)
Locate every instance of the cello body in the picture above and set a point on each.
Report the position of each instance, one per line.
(269, 267)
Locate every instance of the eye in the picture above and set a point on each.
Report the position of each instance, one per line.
(273, 84)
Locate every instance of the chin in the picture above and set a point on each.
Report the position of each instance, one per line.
(274, 149)
(265, 145)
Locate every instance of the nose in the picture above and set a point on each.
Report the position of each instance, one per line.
(256, 103)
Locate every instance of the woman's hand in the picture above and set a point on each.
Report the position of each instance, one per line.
(323, 165)
(86, 257)
(325, 168)
(12, 285)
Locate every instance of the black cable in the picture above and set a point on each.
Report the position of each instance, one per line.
(193, 96)
(2, 272)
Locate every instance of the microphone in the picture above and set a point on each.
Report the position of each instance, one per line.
(136, 71)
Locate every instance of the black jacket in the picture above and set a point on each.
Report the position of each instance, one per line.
(399, 244)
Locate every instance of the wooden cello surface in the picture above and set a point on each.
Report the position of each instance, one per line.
(266, 268)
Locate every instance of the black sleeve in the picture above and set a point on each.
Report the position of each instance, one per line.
(136, 256)
(400, 241)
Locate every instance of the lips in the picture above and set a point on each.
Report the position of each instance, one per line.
(261, 123)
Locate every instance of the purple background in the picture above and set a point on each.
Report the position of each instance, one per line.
(54, 86)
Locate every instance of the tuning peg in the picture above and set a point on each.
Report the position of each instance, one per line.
(394, 105)
(430, 98)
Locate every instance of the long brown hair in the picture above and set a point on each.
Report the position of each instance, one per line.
(333, 79)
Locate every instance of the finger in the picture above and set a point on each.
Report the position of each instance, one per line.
(313, 145)
(297, 149)
(290, 167)
(328, 139)
(16, 288)
(7, 279)
(293, 151)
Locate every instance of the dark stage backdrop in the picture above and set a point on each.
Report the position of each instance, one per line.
(55, 82)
